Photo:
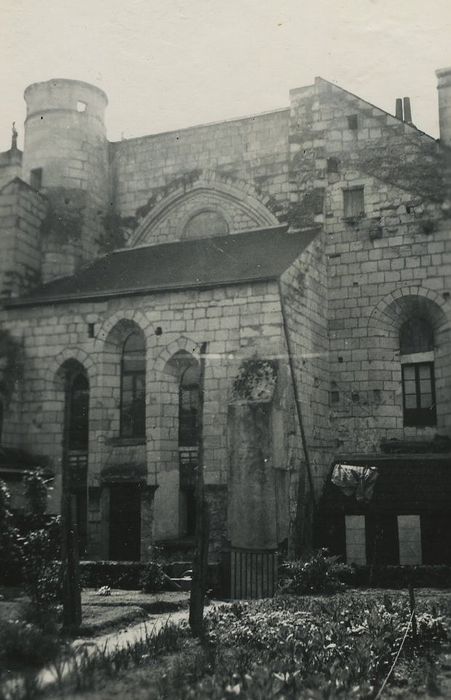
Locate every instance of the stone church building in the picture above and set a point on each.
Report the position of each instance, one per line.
(319, 232)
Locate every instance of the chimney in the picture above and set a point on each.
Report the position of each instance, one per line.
(407, 111)
(444, 104)
(398, 108)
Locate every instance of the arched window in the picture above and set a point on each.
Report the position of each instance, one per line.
(416, 335)
(205, 224)
(78, 397)
(189, 407)
(416, 342)
(133, 380)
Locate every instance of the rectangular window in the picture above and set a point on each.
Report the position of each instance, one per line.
(353, 122)
(36, 178)
(353, 203)
(419, 394)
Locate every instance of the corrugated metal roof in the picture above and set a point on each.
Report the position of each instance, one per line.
(248, 256)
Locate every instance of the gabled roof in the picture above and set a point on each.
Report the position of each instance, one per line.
(249, 256)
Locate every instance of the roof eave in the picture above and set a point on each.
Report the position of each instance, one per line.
(102, 296)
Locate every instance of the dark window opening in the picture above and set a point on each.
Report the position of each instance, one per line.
(419, 394)
(133, 387)
(435, 542)
(78, 424)
(91, 330)
(416, 335)
(333, 165)
(353, 122)
(334, 397)
(189, 407)
(1, 421)
(353, 203)
(36, 178)
(382, 540)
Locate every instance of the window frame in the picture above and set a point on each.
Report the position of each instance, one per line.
(419, 416)
(346, 213)
(191, 388)
(138, 427)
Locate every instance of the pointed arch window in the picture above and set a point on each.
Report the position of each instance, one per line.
(78, 396)
(416, 341)
(189, 407)
(133, 379)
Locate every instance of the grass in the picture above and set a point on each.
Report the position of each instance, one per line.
(290, 647)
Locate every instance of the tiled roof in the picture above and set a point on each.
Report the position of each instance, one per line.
(249, 256)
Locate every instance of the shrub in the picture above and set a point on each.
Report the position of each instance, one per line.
(24, 643)
(115, 574)
(397, 576)
(41, 546)
(153, 577)
(317, 575)
(10, 551)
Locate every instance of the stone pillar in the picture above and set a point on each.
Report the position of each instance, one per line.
(252, 503)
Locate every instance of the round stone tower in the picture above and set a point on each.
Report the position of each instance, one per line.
(66, 157)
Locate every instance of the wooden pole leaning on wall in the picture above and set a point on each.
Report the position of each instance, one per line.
(69, 541)
(200, 562)
(302, 541)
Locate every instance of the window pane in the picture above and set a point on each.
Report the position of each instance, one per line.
(353, 202)
(425, 386)
(409, 387)
(425, 371)
(410, 401)
(426, 401)
(409, 372)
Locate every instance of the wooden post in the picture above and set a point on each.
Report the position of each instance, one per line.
(200, 562)
(304, 516)
(413, 614)
(69, 539)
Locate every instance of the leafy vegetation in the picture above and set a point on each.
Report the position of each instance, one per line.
(317, 575)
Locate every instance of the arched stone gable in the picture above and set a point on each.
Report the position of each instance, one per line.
(394, 308)
(238, 203)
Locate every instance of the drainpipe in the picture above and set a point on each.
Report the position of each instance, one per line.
(300, 423)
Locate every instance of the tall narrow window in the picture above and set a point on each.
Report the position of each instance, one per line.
(419, 394)
(189, 407)
(78, 413)
(133, 378)
(1, 421)
(77, 435)
(416, 341)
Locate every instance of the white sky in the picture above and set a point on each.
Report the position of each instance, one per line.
(172, 63)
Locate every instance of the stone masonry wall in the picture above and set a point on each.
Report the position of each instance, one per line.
(250, 152)
(305, 287)
(393, 260)
(22, 211)
(236, 322)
